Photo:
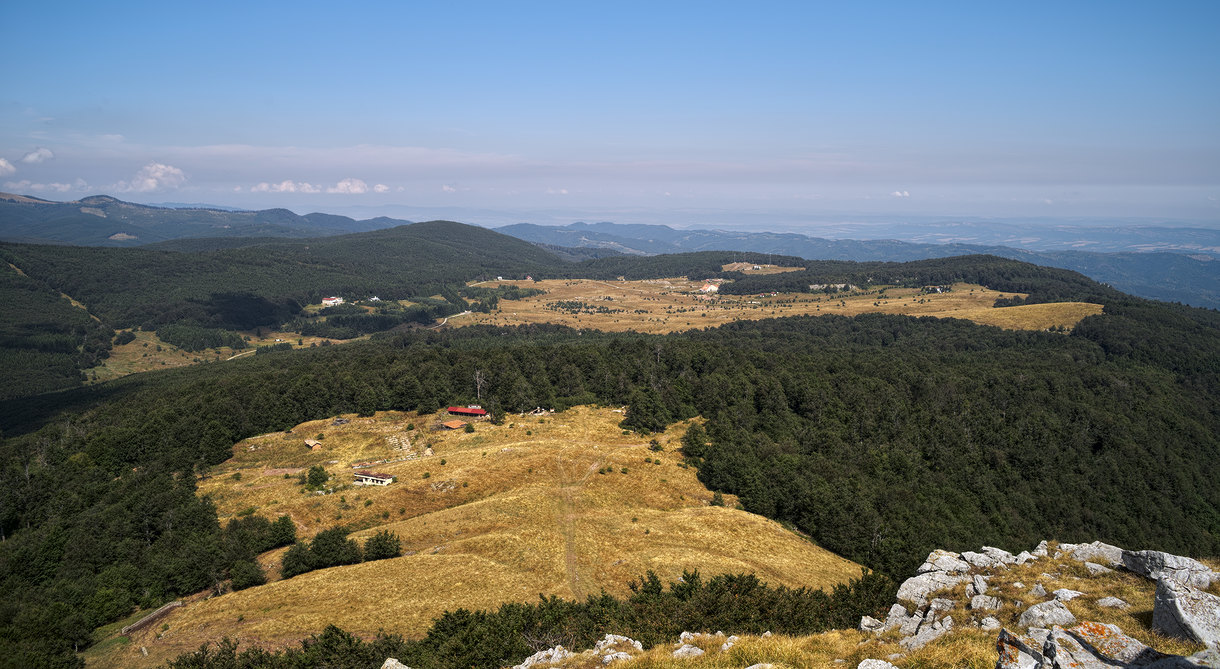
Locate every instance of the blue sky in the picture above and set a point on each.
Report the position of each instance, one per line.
(579, 109)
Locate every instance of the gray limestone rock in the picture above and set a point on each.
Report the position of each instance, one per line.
(1040, 551)
(875, 664)
(990, 623)
(393, 663)
(927, 634)
(615, 657)
(979, 560)
(1047, 614)
(611, 640)
(761, 666)
(1186, 613)
(688, 650)
(940, 560)
(917, 588)
(1096, 569)
(550, 655)
(1038, 590)
(1097, 551)
(871, 624)
(1112, 603)
(1086, 646)
(1157, 565)
(980, 584)
(985, 603)
(1025, 556)
(1066, 595)
(999, 555)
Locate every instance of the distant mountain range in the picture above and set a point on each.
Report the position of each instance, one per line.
(1186, 268)
(101, 220)
(1174, 277)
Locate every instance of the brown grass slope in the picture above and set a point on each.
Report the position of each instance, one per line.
(515, 511)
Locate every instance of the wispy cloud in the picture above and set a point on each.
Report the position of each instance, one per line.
(25, 185)
(381, 188)
(286, 186)
(6, 168)
(900, 193)
(38, 155)
(153, 177)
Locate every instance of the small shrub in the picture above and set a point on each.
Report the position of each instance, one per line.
(236, 476)
(246, 574)
(624, 470)
(427, 475)
(442, 461)
(469, 428)
(368, 503)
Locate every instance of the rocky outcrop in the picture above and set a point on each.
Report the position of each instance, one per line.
(1184, 612)
(1088, 646)
(1047, 614)
(1112, 603)
(688, 650)
(917, 589)
(1157, 565)
(392, 663)
(548, 656)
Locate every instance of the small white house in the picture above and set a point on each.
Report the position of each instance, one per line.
(331, 301)
(709, 288)
(373, 478)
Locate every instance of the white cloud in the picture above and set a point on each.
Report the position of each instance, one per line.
(6, 168)
(153, 177)
(30, 187)
(350, 186)
(556, 191)
(37, 156)
(900, 193)
(381, 188)
(448, 189)
(286, 186)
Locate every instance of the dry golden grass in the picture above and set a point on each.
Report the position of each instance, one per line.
(672, 305)
(748, 268)
(517, 510)
(142, 354)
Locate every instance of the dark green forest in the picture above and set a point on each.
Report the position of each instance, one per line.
(880, 436)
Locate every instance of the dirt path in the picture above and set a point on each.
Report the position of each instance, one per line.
(567, 521)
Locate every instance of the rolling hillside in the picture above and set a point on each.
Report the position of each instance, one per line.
(562, 504)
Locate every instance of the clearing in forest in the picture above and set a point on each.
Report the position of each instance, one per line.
(661, 306)
(560, 504)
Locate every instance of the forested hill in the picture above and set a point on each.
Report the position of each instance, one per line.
(101, 220)
(880, 436)
(127, 287)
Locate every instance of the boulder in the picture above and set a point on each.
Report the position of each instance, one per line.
(1066, 595)
(990, 623)
(1047, 614)
(1096, 569)
(1040, 551)
(688, 650)
(548, 656)
(1186, 613)
(615, 657)
(875, 664)
(917, 588)
(1025, 556)
(979, 560)
(761, 666)
(610, 641)
(940, 560)
(927, 634)
(1112, 603)
(980, 584)
(393, 663)
(1000, 555)
(1097, 551)
(871, 624)
(1157, 565)
(1038, 590)
(1087, 646)
(985, 603)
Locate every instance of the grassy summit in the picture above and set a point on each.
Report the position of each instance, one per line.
(563, 504)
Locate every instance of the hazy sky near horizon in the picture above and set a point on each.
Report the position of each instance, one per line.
(945, 108)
